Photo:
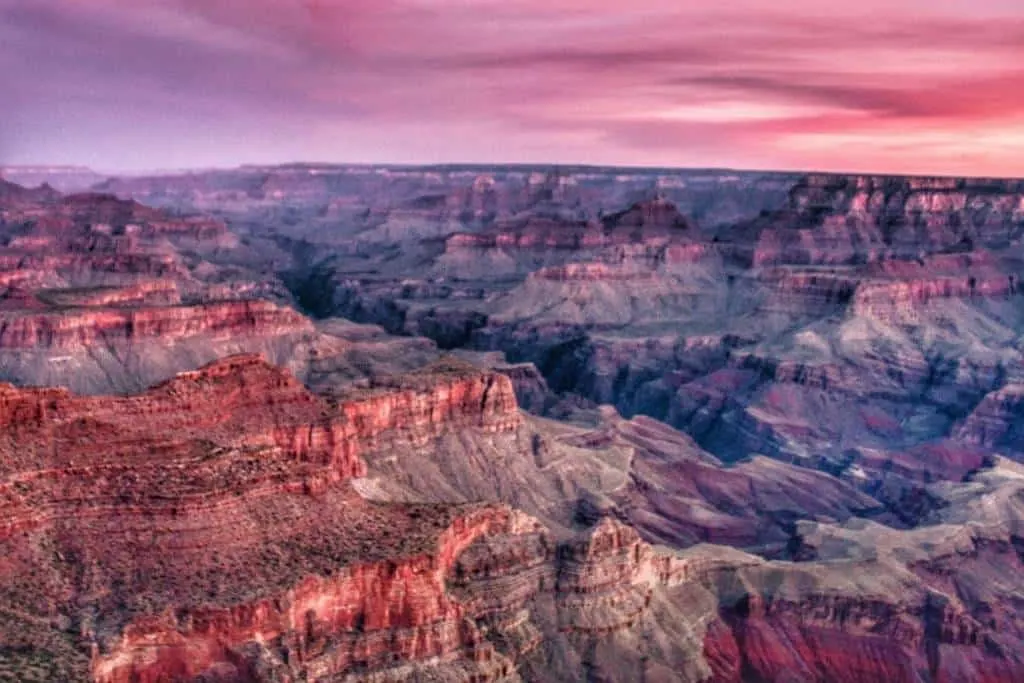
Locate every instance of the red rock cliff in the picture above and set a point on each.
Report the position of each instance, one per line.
(220, 539)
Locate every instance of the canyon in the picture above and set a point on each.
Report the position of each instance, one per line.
(467, 423)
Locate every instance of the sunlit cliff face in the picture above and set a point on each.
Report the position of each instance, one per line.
(913, 86)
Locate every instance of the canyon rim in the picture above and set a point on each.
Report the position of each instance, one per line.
(511, 342)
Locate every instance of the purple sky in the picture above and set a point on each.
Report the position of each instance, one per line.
(913, 86)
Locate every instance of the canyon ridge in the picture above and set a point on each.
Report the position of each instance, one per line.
(473, 424)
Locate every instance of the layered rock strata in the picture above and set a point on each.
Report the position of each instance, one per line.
(216, 533)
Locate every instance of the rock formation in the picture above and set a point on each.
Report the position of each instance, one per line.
(232, 448)
(104, 484)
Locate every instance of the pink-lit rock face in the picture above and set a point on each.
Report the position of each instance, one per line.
(66, 332)
(223, 540)
(79, 250)
(395, 611)
(834, 624)
(846, 220)
(221, 460)
(44, 218)
(777, 651)
(104, 295)
(484, 401)
(901, 299)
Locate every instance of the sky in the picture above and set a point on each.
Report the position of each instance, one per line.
(887, 86)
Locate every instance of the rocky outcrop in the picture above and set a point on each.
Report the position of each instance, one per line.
(44, 212)
(998, 421)
(845, 617)
(95, 239)
(432, 399)
(559, 609)
(857, 219)
(533, 233)
(653, 216)
(93, 269)
(590, 272)
(828, 245)
(81, 329)
(808, 293)
(106, 295)
(370, 618)
(141, 293)
(152, 494)
(900, 300)
(612, 567)
(532, 391)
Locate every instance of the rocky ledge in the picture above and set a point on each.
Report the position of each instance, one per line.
(212, 516)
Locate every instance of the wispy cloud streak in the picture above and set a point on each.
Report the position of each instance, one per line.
(922, 87)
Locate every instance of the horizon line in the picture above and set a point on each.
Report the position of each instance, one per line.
(479, 165)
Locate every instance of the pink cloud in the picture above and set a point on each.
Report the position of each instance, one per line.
(749, 82)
